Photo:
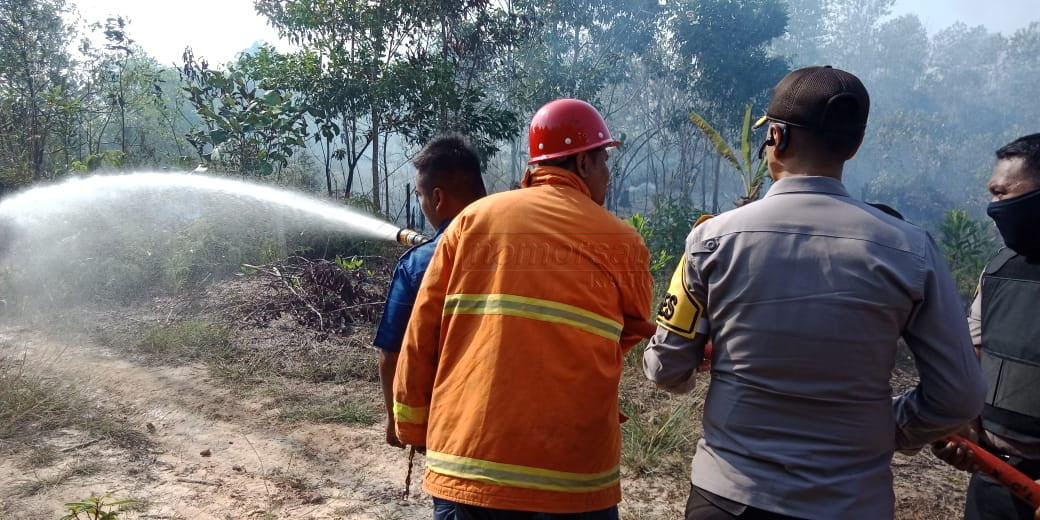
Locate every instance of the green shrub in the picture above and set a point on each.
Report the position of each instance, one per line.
(967, 244)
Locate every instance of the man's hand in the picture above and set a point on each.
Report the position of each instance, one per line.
(956, 454)
(391, 435)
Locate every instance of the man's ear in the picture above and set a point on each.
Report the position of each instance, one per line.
(581, 164)
(856, 149)
(438, 199)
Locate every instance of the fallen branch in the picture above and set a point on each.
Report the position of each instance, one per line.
(200, 481)
(80, 446)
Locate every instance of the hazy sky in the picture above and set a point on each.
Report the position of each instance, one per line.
(1004, 16)
(217, 29)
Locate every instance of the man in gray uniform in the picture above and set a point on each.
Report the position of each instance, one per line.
(1006, 333)
(804, 295)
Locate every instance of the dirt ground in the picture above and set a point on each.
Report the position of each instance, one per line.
(215, 450)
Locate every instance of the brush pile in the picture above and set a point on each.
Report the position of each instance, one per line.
(329, 296)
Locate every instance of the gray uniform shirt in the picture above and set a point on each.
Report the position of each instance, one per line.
(804, 295)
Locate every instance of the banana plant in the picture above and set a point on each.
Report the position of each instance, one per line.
(752, 171)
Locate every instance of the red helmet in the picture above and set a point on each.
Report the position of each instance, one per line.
(565, 127)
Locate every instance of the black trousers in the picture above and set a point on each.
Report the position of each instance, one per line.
(448, 510)
(703, 505)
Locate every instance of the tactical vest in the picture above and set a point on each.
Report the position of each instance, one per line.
(1011, 346)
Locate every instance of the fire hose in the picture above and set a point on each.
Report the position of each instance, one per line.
(1017, 482)
(1022, 486)
(410, 237)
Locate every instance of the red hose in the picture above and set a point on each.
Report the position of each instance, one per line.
(643, 328)
(1022, 486)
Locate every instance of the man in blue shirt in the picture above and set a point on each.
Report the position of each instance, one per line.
(447, 180)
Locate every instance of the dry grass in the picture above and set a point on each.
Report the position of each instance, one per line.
(193, 339)
(345, 410)
(41, 482)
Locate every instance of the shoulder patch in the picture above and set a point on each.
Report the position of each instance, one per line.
(680, 312)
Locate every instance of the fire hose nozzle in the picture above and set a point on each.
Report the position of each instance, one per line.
(410, 237)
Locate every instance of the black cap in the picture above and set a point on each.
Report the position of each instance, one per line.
(821, 99)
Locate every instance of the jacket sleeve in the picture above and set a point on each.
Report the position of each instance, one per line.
(417, 364)
(951, 387)
(677, 349)
(637, 291)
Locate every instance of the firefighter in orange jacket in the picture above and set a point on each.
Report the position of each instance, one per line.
(510, 366)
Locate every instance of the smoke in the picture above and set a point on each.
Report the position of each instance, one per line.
(1006, 17)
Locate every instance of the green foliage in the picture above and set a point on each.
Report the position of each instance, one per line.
(371, 70)
(723, 49)
(967, 244)
(246, 128)
(352, 264)
(34, 64)
(96, 508)
(751, 170)
(578, 48)
(92, 162)
(664, 231)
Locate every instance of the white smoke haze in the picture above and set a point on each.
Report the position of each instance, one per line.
(1004, 16)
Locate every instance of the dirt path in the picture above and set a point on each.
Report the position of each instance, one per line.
(215, 455)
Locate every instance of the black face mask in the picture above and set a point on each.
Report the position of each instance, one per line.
(1018, 220)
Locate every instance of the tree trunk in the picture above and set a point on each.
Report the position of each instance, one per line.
(375, 159)
(328, 166)
(408, 206)
(386, 180)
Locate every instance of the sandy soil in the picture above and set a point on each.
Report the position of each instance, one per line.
(215, 454)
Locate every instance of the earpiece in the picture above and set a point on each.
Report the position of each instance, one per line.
(782, 130)
(771, 141)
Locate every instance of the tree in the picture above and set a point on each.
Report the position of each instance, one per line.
(393, 67)
(806, 34)
(722, 51)
(250, 129)
(34, 73)
(119, 106)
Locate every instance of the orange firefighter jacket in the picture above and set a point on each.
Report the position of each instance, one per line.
(510, 365)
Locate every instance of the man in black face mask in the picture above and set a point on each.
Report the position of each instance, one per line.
(1006, 333)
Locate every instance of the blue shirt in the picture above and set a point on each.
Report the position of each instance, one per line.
(404, 287)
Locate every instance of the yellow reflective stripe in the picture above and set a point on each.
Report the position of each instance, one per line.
(411, 414)
(511, 475)
(535, 309)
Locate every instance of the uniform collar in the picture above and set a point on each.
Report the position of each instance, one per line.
(807, 184)
(553, 176)
(440, 230)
